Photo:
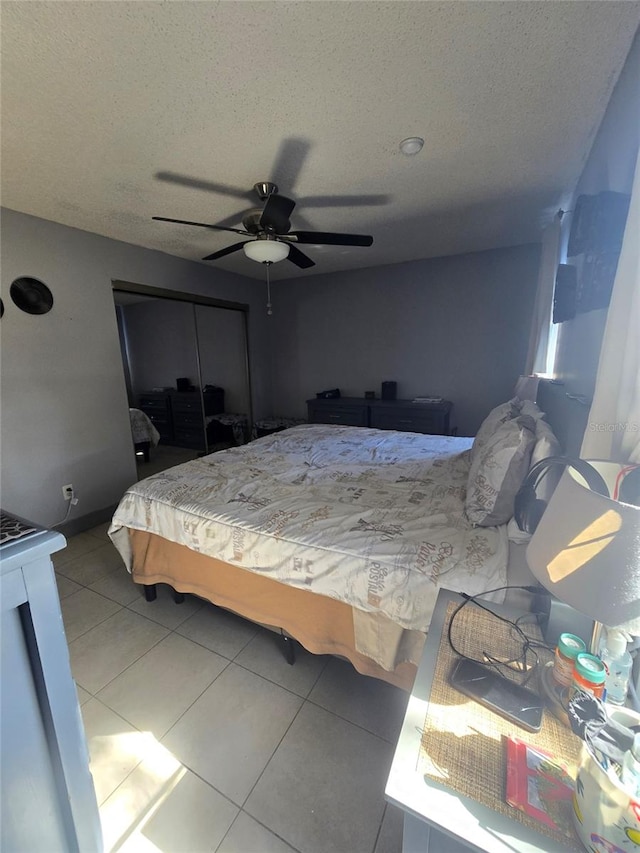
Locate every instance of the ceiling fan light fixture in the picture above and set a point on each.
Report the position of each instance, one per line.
(266, 251)
(412, 145)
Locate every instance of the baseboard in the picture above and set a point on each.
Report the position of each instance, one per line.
(86, 522)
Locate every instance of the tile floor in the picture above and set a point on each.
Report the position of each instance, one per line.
(202, 738)
(161, 457)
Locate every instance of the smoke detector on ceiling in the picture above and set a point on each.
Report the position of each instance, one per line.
(412, 145)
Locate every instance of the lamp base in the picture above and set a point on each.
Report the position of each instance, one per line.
(555, 618)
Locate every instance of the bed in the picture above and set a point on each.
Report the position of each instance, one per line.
(413, 512)
(145, 435)
(340, 537)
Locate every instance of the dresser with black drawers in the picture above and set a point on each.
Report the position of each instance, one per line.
(157, 407)
(178, 415)
(403, 415)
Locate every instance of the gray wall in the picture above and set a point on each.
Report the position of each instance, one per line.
(456, 327)
(610, 166)
(64, 403)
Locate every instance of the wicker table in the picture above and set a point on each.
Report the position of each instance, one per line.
(448, 770)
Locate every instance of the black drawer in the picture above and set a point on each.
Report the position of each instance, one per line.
(187, 437)
(158, 418)
(408, 420)
(187, 403)
(153, 404)
(336, 414)
(193, 418)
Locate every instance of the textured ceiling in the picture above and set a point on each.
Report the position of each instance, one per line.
(100, 98)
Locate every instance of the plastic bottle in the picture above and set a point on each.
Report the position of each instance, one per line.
(589, 675)
(568, 647)
(630, 775)
(618, 662)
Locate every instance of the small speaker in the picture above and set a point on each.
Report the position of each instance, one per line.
(389, 390)
(183, 384)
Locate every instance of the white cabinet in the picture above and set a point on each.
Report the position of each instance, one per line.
(47, 800)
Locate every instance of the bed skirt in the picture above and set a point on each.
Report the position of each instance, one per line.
(322, 625)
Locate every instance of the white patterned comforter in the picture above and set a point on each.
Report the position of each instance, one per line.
(370, 517)
(142, 428)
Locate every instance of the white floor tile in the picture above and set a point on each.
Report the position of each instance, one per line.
(323, 790)
(93, 565)
(230, 733)
(162, 806)
(77, 546)
(248, 836)
(65, 586)
(115, 747)
(218, 630)
(375, 705)
(164, 609)
(119, 586)
(160, 686)
(390, 837)
(100, 531)
(83, 610)
(264, 656)
(180, 738)
(108, 649)
(83, 696)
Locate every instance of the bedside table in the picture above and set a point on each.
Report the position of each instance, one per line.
(438, 817)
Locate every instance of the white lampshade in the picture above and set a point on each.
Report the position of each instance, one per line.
(586, 550)
(266, 251)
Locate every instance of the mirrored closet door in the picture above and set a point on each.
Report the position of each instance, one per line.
(186, 368)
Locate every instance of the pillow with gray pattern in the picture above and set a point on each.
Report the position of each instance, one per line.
(498, 469)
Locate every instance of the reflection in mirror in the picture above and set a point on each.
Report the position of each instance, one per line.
(222, 349)
(186, 373)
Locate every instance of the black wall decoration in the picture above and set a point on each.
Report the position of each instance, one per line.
(595, 241)
(31, 295)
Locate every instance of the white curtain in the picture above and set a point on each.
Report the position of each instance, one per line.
(613, 431)
(541, 324)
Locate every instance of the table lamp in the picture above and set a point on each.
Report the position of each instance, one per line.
(586, 548)
(586, 551)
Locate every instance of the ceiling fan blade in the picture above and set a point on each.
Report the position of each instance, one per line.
(276, 213)
(344, 200)
(208, 186)
(325, 238)
(290, 158)
(299, 258)
(228, 251)
(200, 224)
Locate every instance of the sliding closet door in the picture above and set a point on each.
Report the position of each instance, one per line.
(166, 337)
(162, 346)
(222, 347)
(161, 349)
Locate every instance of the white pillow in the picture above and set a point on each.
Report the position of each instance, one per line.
(497, 472)
(496, 417)
(528, 407)
(546, 443)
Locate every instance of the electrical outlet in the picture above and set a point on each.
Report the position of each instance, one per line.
(67, 492)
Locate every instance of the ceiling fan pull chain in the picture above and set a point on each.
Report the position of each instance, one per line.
(269, 311)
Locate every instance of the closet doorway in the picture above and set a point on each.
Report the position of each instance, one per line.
(186, 368)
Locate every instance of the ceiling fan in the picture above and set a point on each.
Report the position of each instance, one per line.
(268, 228)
